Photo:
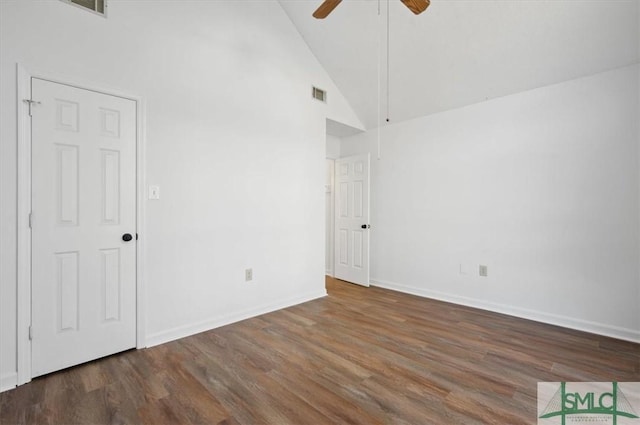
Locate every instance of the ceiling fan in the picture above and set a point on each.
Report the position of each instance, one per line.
(416, 6)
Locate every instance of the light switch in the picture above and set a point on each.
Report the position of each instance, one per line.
(154, 192)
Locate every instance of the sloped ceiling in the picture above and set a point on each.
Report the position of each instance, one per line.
(461, 52)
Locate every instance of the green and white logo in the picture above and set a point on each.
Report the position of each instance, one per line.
(588, 403)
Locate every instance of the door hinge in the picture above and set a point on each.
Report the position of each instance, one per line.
(30, 333)
(31, 220)
(31, 103)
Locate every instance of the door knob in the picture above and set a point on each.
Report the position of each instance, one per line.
(127, 237)
(365, 226)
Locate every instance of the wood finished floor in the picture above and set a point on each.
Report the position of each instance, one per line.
(359, 356)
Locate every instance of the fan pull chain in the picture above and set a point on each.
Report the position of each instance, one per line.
(388, 59)
(379, 77)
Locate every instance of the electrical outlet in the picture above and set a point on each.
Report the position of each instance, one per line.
(483, 270)
(248, 275)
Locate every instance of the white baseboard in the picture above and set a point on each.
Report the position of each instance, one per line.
(538, 316)
(206, 325)
(8, 381)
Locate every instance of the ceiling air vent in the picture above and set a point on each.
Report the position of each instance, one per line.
(319, 94)
(95, 6)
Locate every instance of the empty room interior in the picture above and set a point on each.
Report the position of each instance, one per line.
(319, 212)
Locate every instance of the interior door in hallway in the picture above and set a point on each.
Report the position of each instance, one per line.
(83, 257)
(352, 219)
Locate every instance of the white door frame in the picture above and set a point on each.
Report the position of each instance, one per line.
(330, 219)
(24, 208)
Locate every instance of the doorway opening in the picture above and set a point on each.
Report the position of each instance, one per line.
(346, 213)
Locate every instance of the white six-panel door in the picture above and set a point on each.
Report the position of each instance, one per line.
(83, 202)
(352, 219)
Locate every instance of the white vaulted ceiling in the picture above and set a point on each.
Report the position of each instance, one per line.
(461, 52)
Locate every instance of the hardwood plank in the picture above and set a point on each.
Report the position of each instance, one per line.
(358, 356)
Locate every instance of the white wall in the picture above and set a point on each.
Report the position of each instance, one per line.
(541, 186)
(233, 139)
(333, 147)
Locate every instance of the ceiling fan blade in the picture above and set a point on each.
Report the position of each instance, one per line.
(417, 6)
(325, 8)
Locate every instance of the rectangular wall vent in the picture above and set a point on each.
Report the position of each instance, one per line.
(95, 6)
(319, 94)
